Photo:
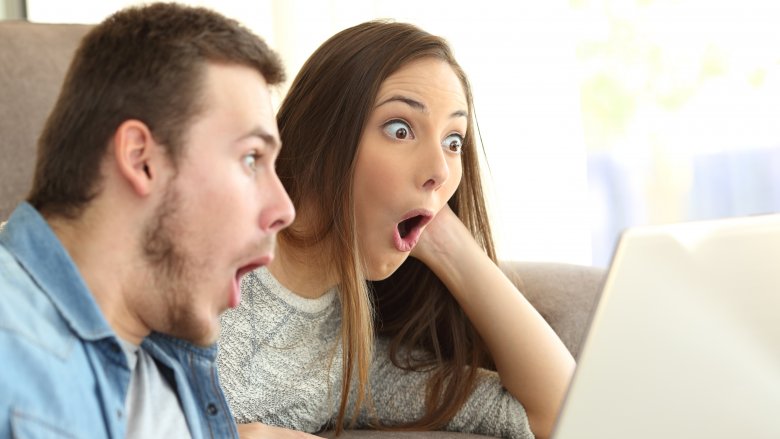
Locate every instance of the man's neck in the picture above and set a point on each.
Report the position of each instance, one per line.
(106, 265)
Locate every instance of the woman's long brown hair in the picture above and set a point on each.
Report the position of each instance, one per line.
(320, 122)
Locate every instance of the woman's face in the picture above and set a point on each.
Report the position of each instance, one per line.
(408, 161)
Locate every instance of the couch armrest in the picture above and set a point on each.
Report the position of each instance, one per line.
(564, 294)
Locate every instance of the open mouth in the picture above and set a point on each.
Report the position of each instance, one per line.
(235, 295)
(409, 229)
(408, 225)
(246, 269)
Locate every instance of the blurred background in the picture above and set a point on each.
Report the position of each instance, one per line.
(595, 115)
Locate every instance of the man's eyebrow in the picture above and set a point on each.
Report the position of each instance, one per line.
(270, 140)
(417, 105)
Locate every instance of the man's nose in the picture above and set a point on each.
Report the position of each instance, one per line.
(279, 212)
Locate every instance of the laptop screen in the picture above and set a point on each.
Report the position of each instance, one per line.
(685, 340)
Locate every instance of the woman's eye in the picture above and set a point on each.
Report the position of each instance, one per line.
(453, 143)
(398, 129)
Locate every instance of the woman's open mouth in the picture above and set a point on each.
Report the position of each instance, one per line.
(408, 230)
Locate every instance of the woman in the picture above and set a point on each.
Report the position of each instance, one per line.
(380, 160)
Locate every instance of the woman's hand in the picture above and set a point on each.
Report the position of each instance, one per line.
(532, 362)
(257, 430)
(444, 236)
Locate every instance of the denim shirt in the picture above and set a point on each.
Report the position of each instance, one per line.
(62, 370)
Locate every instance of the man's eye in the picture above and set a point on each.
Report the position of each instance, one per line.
(453, 143)
(398, 129)
(250, 160)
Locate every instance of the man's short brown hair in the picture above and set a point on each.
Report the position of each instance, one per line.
(146, 63)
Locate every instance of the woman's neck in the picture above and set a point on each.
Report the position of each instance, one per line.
(304, 271)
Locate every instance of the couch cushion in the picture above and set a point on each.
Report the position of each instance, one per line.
(33, 61)
(564, 294)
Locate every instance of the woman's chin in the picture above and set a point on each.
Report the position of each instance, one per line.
(381, 271)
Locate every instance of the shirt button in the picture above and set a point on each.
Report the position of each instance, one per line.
(119, 414)
(211, 409)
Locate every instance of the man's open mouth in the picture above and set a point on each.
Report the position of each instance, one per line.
(235, 296)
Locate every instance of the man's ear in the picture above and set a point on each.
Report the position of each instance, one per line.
(137, 155)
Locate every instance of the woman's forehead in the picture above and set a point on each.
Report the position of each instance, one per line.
(422, 80)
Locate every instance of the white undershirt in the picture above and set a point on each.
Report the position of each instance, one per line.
(153, 408)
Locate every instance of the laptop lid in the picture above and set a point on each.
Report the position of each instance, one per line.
(685, 339)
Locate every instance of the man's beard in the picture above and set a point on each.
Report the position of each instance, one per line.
(172, 271)
(159, 248)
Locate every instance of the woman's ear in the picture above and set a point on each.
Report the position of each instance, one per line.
(134, 150)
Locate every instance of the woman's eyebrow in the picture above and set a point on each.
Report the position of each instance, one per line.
(460, 113)
(417, 105)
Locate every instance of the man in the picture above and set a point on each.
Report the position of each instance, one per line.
(154, 192)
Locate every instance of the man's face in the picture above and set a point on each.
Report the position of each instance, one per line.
(219, 217)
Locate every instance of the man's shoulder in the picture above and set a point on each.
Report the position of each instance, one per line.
(28, 318)
(48, 390)
(46, 377)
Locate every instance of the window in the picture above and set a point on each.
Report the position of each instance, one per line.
(596, 115)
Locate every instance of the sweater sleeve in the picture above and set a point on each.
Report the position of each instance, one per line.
(398, 397)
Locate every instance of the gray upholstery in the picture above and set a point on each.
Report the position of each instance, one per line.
(366, 434)
(564, 294)
(33, 61)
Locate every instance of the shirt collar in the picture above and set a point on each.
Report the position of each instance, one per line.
(33, 243)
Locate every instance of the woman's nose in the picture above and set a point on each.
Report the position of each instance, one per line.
(434, 170)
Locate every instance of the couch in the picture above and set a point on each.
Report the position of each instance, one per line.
(33, 61)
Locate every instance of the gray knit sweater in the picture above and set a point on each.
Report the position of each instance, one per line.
(280, 364)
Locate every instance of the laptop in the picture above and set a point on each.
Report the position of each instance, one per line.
(685, 339)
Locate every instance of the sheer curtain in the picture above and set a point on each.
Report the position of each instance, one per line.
(595, 115)
(680, 103)
(521, 68)
(527, 97)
